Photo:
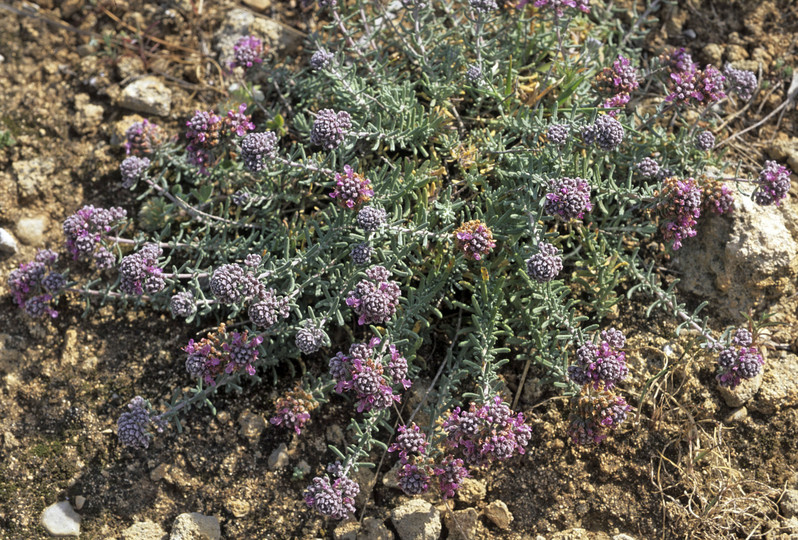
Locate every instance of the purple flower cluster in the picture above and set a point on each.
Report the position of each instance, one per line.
(696, 86)
(34, 284)
(740, 81)
(232, 284)
(141, 138)
(310, 338)
(410, 440)
(375, 298)
(139, 272)
(132, 168)
(85, 229)
(602, 365)
(257, 149)
(361, 253)
(680, 208)
(371, 218)
(594, 415)
(606, 132)
(617, 82)
(321, 59)
(739, 362)
(716, 197)
(558, 134)
(330, 129)
(474, 239)
(207, 131)
(451, 474)
(351, 189)
(544, 265)
(364, 372)
(293, 409)
(647, 167)
(488, 433)
(558, 6)
(247, 52)
(705, 141)
(221, 351)
(773, 184)
(678, 60)
(474, 75)
(568, 198)
(183, 305)
(335, 500)
(132, 428)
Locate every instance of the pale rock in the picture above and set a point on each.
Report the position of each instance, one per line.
(304, 467)
(736, 416)
(391, 478)
(33, 176)
(347, 530)
(7, 242)
(713, 53)
(576, 533)
(789, 503)
(471, 491)
(238, 507)
(740, 261)
(742, 393)
(785, 151)
(241, 22)
(147, 95)
(252, 425)
(144, 530)
(779, 384)
(88, 116)
(374, 529)
(417, 520)
(498, 513)
(60, 519)
(278, 458)
(80, 500)
(735, 53)
(462, 524)
(623, 536)
(196, 526)
(129, 66)
(260, 5)
(30, 230)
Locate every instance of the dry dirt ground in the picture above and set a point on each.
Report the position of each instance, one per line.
(681, 468)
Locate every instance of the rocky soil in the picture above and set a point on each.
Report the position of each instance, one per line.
(693, 463)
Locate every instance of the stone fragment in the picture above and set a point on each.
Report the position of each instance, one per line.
(252, 425)
(779, 384)
(417, 520)
(147, 95)
(241, 22)
(743, 260)
(735, 53)
(789, 503)
(278, 458)
(462, 524)
(33, 176)
(471, 491)
(785, 151)
(30, 230)
(742, 393)
(498, 513)
(196, 526)
(713, 53)
(260, 5)
(80, 500)
(88, 116)
(7, 242)
(238, 507)
(347, 530)
(374, 529)
(737, 415)
(60, 519)
(144, 530)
